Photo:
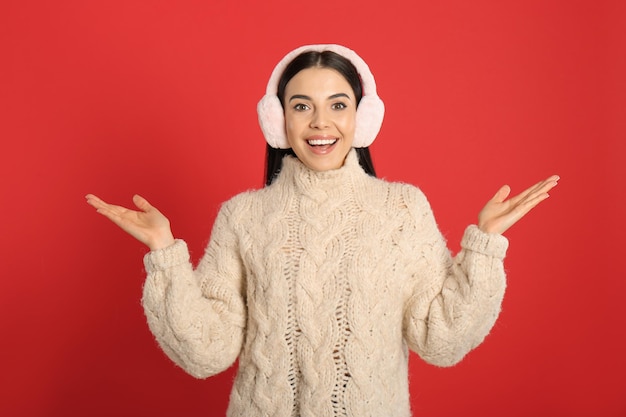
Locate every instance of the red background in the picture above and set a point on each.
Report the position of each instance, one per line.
(119, 97)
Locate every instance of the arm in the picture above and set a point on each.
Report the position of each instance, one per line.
(198, 317)
(453, 302)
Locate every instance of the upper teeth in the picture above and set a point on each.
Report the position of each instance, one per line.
(321, 141)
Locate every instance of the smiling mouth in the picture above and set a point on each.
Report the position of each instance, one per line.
(321, 142)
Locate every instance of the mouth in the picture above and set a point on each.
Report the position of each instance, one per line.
(322, 142)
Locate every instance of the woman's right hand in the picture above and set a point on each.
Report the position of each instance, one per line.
(148, 225)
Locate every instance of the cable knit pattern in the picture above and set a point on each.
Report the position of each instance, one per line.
(319, 284)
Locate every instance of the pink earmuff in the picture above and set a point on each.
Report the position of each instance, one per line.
(369, 114)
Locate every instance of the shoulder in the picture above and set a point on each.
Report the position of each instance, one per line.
(241, 205)
(399, 194)
(251, 204)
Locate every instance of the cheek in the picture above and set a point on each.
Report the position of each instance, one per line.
(347, 123)
(293, 124)
(291, 130)
(289, 121)
(289, 127)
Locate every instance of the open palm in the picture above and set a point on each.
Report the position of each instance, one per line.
(499, 213)
(148, 225)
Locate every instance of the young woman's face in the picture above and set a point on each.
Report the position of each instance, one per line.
(320, 114)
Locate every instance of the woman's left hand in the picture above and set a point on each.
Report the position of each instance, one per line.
(499, 213)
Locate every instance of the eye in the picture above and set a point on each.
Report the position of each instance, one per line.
(300, 107)
(338, 106)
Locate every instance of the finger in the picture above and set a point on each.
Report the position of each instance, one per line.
(523, 208)
(142, 203)
(537, 189)
(527, 192)
(95, 202)
(502, 194)
(112, 212)
(548, 182)
(101, 205)
(551, 182)
(542, 187)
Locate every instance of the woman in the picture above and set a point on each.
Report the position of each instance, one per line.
(321, 281)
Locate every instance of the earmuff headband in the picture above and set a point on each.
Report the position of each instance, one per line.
(369, 113)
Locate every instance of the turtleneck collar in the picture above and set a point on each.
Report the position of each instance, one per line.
(310, 182)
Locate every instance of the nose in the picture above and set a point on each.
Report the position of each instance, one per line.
(319, 119)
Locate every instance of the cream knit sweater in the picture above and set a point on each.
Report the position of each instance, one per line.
(318, 284)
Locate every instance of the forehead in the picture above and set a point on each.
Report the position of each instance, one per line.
(318, 79)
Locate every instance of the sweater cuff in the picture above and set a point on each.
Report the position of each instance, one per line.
(162, 259)
(491, 244)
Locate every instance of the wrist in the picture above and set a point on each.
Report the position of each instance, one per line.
(162, 242)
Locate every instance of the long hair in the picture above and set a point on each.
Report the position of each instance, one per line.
(325, 59)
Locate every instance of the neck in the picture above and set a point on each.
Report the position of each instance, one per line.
(295, 173)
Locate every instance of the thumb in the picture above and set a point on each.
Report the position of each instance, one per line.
(141, 203)
(502, 194)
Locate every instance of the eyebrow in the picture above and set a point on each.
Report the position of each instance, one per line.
(303, 97)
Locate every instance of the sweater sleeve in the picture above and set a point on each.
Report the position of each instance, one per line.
(198, 316)
(453, 302)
